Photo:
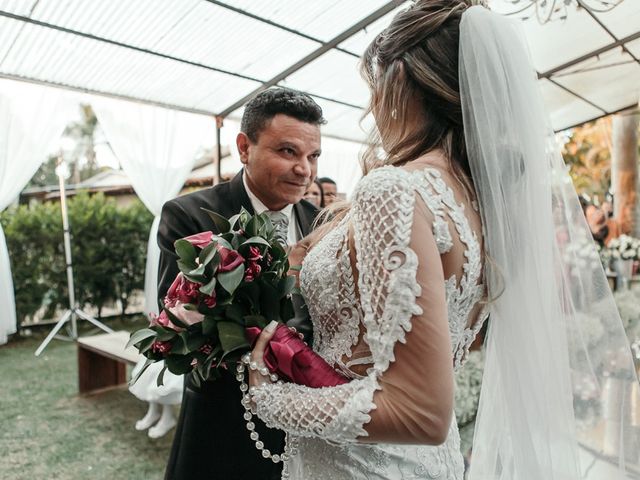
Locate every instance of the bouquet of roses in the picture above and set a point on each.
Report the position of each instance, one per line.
(230, 286)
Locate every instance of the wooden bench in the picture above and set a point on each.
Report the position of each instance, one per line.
(102, 361)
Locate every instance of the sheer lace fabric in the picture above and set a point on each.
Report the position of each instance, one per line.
(408, 322)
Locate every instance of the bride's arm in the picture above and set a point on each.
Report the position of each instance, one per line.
(401, 288)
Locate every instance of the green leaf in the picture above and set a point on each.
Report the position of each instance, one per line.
(139, 374)
(145, 344)
(234, 312)
(252, 226)
(221, 223)
(165, 334)
(232, 336)
(224, 242)
(140, 335)
(233, 220)
(209, 287)
(209, 325)
(256, 240)
(175, 320)
(255, 321)
(230, 280)
(179, 364)
(160, 379)
(196, 272)
(245, 216)
(185, 251)
(207, 253)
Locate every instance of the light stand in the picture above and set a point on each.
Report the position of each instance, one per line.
(73, 312)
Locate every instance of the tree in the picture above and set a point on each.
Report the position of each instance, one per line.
(587, 152)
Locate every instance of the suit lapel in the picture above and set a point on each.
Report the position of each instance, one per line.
(305, 217)
(238, 194)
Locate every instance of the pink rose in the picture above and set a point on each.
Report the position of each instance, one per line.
(181, 290)
(254, 254)
(200, 240)
(161, 347)
(163, 320)
(190, 317)
(253, 270)
(229, 259)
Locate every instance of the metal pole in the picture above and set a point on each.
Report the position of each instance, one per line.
(219, 124)
(67, 251)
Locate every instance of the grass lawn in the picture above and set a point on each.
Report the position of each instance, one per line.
(48, 431)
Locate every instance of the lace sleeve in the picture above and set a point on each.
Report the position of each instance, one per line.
(381, 215)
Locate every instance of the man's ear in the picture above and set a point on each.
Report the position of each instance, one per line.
(243, 143)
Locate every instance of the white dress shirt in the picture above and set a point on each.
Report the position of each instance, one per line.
(259, 207)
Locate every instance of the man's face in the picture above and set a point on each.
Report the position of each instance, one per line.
(283, 162)
(330, 193)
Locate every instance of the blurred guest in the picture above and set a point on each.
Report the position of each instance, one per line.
(314, 194)
(330, 190)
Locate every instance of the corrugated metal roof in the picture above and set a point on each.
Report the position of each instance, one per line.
(208, 55)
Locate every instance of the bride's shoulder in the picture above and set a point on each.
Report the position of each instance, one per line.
(382, 181)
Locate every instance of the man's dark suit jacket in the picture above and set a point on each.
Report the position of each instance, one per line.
(211, 440)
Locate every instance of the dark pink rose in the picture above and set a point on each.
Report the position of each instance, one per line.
(254, 254)
(161, 347)
(190, 317)
(253, 270)
(206, 349)
(229, 259)
(163, 320)
(210, 300)
(200, 240)
(181, 290)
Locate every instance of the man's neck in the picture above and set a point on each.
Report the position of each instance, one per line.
(254, 195)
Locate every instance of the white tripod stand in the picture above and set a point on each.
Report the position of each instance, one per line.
(73, 312)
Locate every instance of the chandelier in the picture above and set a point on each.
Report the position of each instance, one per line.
(549, 10)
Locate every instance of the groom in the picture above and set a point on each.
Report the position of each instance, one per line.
(279, 146)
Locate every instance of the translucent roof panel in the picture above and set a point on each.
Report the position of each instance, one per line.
(565, 109)
(334, 75)
(208, 56)
(622, 20)
(634, 47)
(615, 70)
(342, 121)
(65, 59)
(321, 19)
(555, 43)
(361, 40)
(195, 30)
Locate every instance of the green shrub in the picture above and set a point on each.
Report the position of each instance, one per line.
(108, 252)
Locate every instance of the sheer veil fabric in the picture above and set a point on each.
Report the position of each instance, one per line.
(559, 376)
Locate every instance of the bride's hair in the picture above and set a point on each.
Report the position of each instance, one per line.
(412, 71)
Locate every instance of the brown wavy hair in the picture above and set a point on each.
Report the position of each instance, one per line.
(412, 71)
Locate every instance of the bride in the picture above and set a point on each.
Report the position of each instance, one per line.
(468, 214)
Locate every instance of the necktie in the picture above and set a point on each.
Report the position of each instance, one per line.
(280, 222)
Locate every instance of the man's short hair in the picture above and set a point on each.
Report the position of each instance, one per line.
(326, 180)
(266, 105)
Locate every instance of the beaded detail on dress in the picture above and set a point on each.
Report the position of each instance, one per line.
(329, 420)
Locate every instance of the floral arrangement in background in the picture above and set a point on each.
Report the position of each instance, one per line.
(582, 254)
(624, 247)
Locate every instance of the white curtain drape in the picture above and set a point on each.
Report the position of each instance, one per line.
(157, 148)
(32, 119)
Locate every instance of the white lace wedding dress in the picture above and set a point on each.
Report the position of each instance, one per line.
(376, 311)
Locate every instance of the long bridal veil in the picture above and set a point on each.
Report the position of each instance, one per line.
(559, 377)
